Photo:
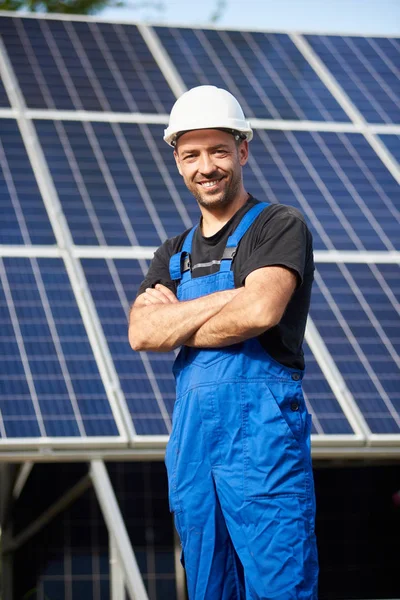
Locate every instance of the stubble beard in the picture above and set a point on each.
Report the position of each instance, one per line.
(225, 199)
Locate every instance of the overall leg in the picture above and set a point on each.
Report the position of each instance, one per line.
(265, 488)
(208, 554)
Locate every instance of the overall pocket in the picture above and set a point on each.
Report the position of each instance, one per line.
(273, 417)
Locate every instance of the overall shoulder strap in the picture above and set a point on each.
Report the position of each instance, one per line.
(233, 240)
(179, 263)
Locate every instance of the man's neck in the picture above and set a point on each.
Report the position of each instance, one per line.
(214, 220)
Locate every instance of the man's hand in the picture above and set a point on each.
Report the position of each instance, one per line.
(159, 295)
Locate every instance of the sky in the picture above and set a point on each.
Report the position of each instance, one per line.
(364, 17)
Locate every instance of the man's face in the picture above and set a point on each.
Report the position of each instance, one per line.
(210, 162)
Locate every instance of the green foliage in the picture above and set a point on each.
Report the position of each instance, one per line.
(218, 12)
(74, 7)
(82, 7)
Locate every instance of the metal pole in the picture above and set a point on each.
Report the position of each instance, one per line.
(116, 528)
(117, 587)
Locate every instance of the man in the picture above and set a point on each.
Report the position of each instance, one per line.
(234, 292)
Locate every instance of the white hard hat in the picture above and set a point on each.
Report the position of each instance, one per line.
(206, 107)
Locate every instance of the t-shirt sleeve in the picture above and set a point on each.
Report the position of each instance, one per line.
(284, 239)
(158, 271)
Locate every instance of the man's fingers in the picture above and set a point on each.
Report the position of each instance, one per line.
(156, 297)
(167, 292)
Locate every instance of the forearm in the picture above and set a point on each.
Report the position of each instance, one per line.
(164, 327)
(237, 321)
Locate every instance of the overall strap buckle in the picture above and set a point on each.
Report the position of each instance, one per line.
(180, 263)
(233, 240)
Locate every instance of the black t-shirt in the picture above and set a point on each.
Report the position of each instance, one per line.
(279, 236)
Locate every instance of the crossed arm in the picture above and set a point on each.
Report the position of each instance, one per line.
(158, 321)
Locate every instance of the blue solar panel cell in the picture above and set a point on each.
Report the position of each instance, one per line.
(357, 315)
(146, 379)
(23, 217)
(85, 66)
(367, 70)
(392, 142)
(50, 383)
(4, 101)
(266, 72)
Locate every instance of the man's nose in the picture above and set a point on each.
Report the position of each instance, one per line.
(206, 165)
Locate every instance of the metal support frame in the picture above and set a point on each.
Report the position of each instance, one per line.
(116, 527)
(48, 515)
(22, 477)
(180, 578)
(117, 586)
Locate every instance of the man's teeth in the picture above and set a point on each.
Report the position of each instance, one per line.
(209, 183)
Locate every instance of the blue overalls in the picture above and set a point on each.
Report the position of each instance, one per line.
(238, 461)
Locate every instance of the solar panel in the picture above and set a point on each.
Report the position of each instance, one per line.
(368, 71)
(356, 310)
(266, 72)
(50, 384)
(84, 66)
(23, 217)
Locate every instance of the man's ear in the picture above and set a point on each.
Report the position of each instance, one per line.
(178, 165)
(243, 152)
